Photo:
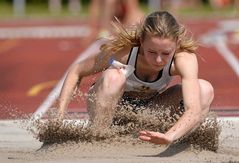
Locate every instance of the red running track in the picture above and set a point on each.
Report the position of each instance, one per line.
(31, 67)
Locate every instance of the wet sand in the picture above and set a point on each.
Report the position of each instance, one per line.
(18, 145)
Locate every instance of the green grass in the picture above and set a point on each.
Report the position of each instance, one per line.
(5, 10)
(40, 11)
(207, 11)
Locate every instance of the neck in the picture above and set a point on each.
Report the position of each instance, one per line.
(144, 71)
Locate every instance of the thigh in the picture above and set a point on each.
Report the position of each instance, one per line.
(171, 98)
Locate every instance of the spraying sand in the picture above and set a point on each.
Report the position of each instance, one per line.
(71, 142)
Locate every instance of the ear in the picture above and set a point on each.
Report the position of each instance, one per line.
(177, 42)
(141, 41)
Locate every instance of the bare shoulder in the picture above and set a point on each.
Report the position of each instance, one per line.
(103, 58)
(123, 54)
(185, 57)
(185, 64)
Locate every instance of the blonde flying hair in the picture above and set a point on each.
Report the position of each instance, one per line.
(159, 23)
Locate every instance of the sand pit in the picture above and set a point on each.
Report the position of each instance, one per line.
(18, 145)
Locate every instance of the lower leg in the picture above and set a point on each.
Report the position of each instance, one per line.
(207, 95)
(172, 97)
(105, 98)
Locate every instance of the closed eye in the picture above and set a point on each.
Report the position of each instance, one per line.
(165, 53)
(152, 52)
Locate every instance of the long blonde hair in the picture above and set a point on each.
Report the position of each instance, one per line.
(160, 23)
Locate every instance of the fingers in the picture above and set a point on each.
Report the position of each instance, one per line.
(145, 138)
(60, 115)
(150, 133)
(142, 132)
(150, 136)
(143, 135)
(146, 135)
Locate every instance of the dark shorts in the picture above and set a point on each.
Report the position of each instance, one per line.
(137, 104)
(129, 108)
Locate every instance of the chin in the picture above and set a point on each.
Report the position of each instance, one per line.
(157, 68)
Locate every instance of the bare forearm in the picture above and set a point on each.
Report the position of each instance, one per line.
(67, 91)
(186, 123)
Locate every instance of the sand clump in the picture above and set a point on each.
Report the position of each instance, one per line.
(9, 110)
(70, 141)
(74, 141)
(127, 123)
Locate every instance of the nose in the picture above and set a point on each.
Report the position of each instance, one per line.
(159, 59)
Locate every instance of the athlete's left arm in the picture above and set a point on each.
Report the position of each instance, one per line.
(187, 67)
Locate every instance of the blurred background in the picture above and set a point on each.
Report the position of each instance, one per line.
(80, 8)
(40, 39)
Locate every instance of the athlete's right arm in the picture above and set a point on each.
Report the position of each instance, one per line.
(95, 63)
(73, 78)
(89, 66)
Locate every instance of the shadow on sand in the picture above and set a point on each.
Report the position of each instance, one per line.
(171, 150)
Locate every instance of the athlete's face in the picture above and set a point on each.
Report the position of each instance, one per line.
(157, 51)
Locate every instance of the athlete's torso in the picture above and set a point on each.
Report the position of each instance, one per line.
(133, 83)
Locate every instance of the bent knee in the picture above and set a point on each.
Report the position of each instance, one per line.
(207, 93)
(113, 79)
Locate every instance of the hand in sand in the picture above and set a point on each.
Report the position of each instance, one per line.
(60, 115)
(155, 137)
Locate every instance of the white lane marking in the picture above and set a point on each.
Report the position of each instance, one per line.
(53, 95)
(218, 39)
(229, 57)
(44, 32)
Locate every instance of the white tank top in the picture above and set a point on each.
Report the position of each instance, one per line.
(133, 83)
